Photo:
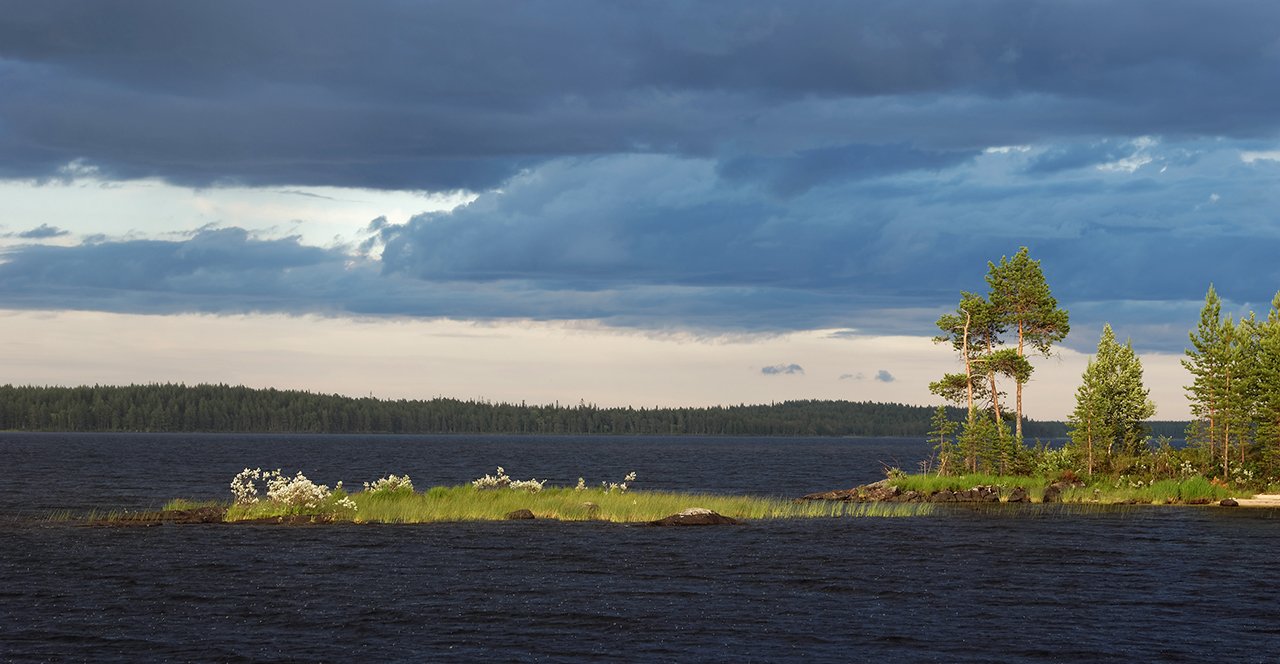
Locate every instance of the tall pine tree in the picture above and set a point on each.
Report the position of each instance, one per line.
(1268, 386)
(1022, 299)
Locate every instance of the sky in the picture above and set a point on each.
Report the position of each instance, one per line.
(644, 203)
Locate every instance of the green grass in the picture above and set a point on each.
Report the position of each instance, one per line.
(932, 483)
(180, 504)
(465, 503)
(1100, 490)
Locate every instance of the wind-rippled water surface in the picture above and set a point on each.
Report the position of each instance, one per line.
(1006, 584)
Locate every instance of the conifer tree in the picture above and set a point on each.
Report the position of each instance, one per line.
(942, 428)
(1022, 299)
(1210, 362)
(1111, 403)
(971, 331)
(1086, 420)
(1268, 385)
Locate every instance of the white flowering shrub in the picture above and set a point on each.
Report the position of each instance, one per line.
(502, 481)
(530, 485)
(620, 487)
(391, 485)
(346, 504)
(244, 489)
(295, 493)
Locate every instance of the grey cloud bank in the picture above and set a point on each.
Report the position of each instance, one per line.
(751, 166)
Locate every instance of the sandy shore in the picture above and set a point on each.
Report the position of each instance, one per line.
(1261, 500)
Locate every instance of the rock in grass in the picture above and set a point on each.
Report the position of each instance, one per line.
(1019, 495)
(1228, 502)
(695, 516)
(519, 514)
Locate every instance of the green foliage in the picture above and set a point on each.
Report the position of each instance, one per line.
(945, 450)
(1021, 297)
(1019, 300)
(963, 482)
(1111, 406)
(1235, 390)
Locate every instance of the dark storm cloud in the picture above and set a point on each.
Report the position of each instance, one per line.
(656, 242)
(799, 172)
(41, 232)
(720, 166)
(463, 95)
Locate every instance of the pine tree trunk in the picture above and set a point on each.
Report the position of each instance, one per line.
(1018, 422)
(991, 376)
(972, 460)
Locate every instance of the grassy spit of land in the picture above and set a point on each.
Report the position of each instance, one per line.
(466, 503)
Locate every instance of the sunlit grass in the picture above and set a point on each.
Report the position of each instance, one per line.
(933, 483)
(1156, 492)
(182, 504)
(1100, 490)
(466, 503)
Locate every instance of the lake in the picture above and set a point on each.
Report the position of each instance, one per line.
(1038, 584)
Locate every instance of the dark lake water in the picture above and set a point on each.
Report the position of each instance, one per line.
(1011, 584)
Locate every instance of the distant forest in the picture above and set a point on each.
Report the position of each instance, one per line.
(223, 408)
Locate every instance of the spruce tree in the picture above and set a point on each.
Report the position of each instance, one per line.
(1268, 386)
(1111, 403)
(1210, 361)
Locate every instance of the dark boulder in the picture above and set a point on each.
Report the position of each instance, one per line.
(519, 514)
(1052, 493)
(1018, 495)
(848, 495)
(1228, 502)
(695, 516)
(943, 496)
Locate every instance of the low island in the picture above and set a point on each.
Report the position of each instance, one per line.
(392, 499)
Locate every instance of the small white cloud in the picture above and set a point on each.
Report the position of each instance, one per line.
(857, 376)
(1127, 165)
(1139, 158)
(1214, 198)
(1251, 156)
(78, 168)
(884, 376)
(1006, 149)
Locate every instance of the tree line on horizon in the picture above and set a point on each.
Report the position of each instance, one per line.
(236, 409)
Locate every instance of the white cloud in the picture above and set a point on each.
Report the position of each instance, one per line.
(1141, 157)
(321, 216)
(1251, 156)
